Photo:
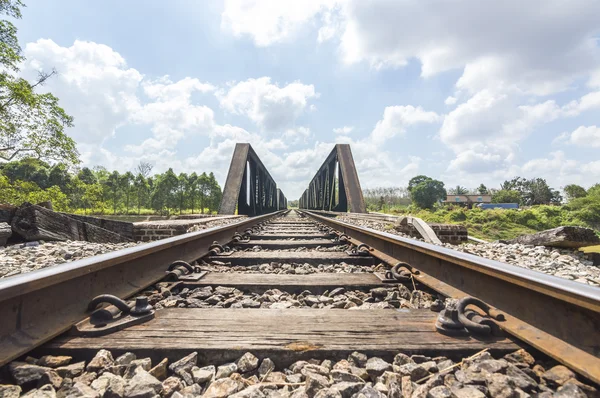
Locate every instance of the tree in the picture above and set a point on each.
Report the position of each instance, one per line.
(30, 122)
(141, 187)
(86, 176)
(574, 191)
(193, 189)
(482, 189)
(533, 192)
(425, 191)
(203, 190)
(113, 182)
(459, 190)
(144, 168)
(506, 196)
(59, 176)
(126, 185)
(182, 188)
(416, 181)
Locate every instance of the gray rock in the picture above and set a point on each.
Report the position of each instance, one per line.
(46, 391)
(125, 359)
(9, 391)
(250, 392)
(470, 377)
(467, 392)
(226, 370)
(401, 359)
(439, 392)
(328, 393)
(82, 390)
(558, 375)
(109, 385)
(368, 392)
(359, 359)
(5, 233)
(312, 368)
(500, 386)
(266, 366)
(85, 378)
(416, 372)
(247, 363)
(376, 366)
(339, 376)
(136, 365)
(142, 385)
(490, 366)
(203, 375)
(315, 382)
(26, 374)
(347, 389)
(184, 364)
(52, 378)
(194, 390)
(221, 388)
(171, 385)
(160, 370)
(102, 360)
(52, 361)
(569, 390)
(521, 379)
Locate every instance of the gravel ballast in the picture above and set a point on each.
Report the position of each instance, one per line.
(564, 263)
(517, 374)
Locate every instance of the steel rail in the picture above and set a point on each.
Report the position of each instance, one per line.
(556, 316)
(37, 306)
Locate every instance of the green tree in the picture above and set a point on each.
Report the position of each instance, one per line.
(574, 191)
(28, 169)
(214, 192)
(142, 189)
(126, 183)
(506, 196)
(182, 188)
(482, 190)
(203, 190)
(425, 191)
(459, 190)
(59, 176)
(86, 176)
(30, 122)
(193, 189)
(113, 182)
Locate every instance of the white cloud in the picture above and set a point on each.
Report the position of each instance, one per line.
(343, 130)
(479, 37)
(94, 84)
(397, 118)
(450, 100)
(271, 107)
(270, 21)
(583, 136)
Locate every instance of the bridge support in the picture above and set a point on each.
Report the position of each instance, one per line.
(249, 186)
(335, 187)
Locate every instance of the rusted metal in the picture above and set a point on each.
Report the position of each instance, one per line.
(39, 305)
(249, 187)
(335, 187)
(558, 317)
(117, 316)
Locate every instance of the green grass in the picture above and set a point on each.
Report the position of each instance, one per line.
(497, 224)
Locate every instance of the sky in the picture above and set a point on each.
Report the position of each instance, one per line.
(464, 91)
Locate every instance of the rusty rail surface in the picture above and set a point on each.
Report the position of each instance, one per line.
(556, 316)
(37, 306)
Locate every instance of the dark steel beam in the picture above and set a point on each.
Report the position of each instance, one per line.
(335, 187)
(249, 187)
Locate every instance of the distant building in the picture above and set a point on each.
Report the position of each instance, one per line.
(468, 200)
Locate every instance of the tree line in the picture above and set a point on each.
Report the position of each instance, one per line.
(426, 192)
(99, 191)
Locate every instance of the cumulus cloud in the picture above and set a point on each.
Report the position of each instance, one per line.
(269, 106)
(583, 136)
(343, 130)
(397, 118)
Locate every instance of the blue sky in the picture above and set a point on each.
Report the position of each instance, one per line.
(466, 91)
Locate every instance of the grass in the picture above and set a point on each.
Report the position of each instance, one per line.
(497, 224)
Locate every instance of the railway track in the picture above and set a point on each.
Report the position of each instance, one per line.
(327, 301)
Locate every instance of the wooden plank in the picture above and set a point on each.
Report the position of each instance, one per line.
(287, 244)
(316, 283)
(315, 257)
(221, 335)
(290, 236)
